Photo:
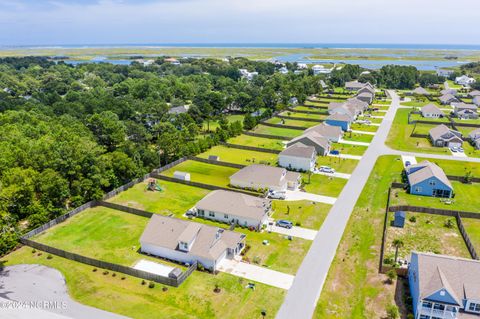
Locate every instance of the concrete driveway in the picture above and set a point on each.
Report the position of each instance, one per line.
(256, 273)
(295, 231)
(39, 284)
(153, 267)
(348, 156)
(408, 158)
(353, 142)
(299, 195)
(336, 174)
(458, 154)
(362, 132)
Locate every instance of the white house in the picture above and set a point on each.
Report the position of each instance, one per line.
(444, 72)
(259, 177)
(431, 111)
(188, 242)
(320, 69)
(464, 80)
(283, 70)
(298, 157)
(234, 208)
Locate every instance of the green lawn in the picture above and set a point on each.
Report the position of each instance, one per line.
(298, 123)
(254, 141)
(323, 185)
(349, 149)
(195, 298)
(230, 118)
(278, 131)
(174, 199)
(364, 127)
(372, 120)
(466, 198)
(427, 234)
(472, 226)
(419, 117)
(305, 213)
(204, 173)
(453, 85)
(309, 109)
(354, 288)
(100, 233)
(455, 167)
(238, 156)
(357, 137)
(341, 165)
(303, 115)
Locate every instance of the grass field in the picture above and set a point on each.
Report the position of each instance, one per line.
(363, 127)
(323, 185)
(309, 109)
(349, 149)
(341, 165)
(174, 199)
(254, 141)
(366, 138)
(354, 288)
(230, 118)
(472, 226)
(195, 298)
(455, 167)
(427, 234)
(298, 123)
(307, 214)
(466, 198)
(304, 115)
(204, 173)
(278, 131)
(100, 233)
(238, 156)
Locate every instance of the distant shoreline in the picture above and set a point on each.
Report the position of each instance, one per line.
(379, 46)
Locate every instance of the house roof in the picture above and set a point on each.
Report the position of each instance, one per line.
(432, 108)
(427, 170)
(354, 85)
(464, 106)
(474, 93)
(314, 137)
(264, 174)
(476, 100)
(299, 150)
(421, 90)
(448, 91)
(209, 242)
(460, 277)
(234, 203)
(334, 105)
(179, 109)
(357, 103)
(326, 130)
(339, 117)
(475, 134)
(367, 89)
(366, 94)
(439, 131)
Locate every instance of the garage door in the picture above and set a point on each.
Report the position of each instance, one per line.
(454, 144)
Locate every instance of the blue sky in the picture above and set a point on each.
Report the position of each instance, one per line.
(38, 22)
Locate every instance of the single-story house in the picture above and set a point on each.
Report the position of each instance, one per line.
(428, 179)
(234, 208)
(420, 91)
(332, 133)
(355, 85)
(341, 120)
(298, 157)
(320, 69)
(447, 99)
(293, 101)
(474, 137)
(473, 94)
(444, 72)
(188, 242)
(179, 109)
(261, 177)
(448, 91)
(432, 111)
(465, 111)
(444, 286)
(464, 80)
(368, 89)
(362, 106)
(366, 97)
(442, 136)
(312, 138)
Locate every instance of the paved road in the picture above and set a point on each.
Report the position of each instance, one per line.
(302, 297)
(36, 283)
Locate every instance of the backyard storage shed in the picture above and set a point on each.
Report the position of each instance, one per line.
(399, 220)
(184, 176)
(213, 157)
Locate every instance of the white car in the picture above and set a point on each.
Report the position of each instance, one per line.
(326, 169)
(454, 149)
(276, 194)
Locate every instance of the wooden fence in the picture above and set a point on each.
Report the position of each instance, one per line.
(251, 148)
(214, 162)
(291, 127)
(272, 137)
(307, 112)
(384, 233)
(466, 238)
(299, 119)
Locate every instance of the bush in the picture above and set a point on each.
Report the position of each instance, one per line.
(39, 254)
(413, 219)
(257, 260)
(34, 251)
(143, 282)
(410, 316)
(114, 274)
(164, 288)
(94, 269)
(151, 284)
(449, 223)
(200, 267)
(105, 272)
(391, 275)
(298, 224)
(49, 256)
(123, 278)
(392, 312)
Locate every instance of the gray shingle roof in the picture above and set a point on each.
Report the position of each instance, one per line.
(427, 170)
(339, 117)
(421, 91)
(443, 132)
(263, 174)
(299, 150)
(326, 130)
(432, 109)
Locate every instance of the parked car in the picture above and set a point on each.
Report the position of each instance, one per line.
(326, 169)
(460, 149)
(335, 152)
(407, 163)
(454, 149)
(276, 194)
(284, 223)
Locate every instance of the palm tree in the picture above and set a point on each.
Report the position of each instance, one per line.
(397, 243)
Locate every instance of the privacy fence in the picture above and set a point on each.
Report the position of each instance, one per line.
(300, 128)
(272, 137)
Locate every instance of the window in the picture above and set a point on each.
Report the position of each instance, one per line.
(439, 306)
(211, 214)
(424, 317)
(201, 212)
(427, 304)
(418, 189)
(432, 183)
(474, 307)
(225, 216)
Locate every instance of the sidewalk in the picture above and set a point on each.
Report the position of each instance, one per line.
(299, 195)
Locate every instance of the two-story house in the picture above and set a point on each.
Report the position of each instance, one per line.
(444, 287)
(428, 179)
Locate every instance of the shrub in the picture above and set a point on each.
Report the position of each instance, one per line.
(392, 312)
(114, 274)
(123, 278)
(413, 219)
(151, 284)
(39, 254)
(388, 261)
(164, 288)
(143, 282)
(449, 223)
(257, 260)
(34, 251)
(391, 275)
(298, 224)
(49, 256)
(94, 269)
(105, 272)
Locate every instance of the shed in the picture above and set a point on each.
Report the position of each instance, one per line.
(184, 176)
(399, 220)
(175, 273)
(213, 157)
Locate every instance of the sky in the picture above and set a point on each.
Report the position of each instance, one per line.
(55, 22)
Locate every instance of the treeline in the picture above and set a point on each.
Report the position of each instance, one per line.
(70, 134)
